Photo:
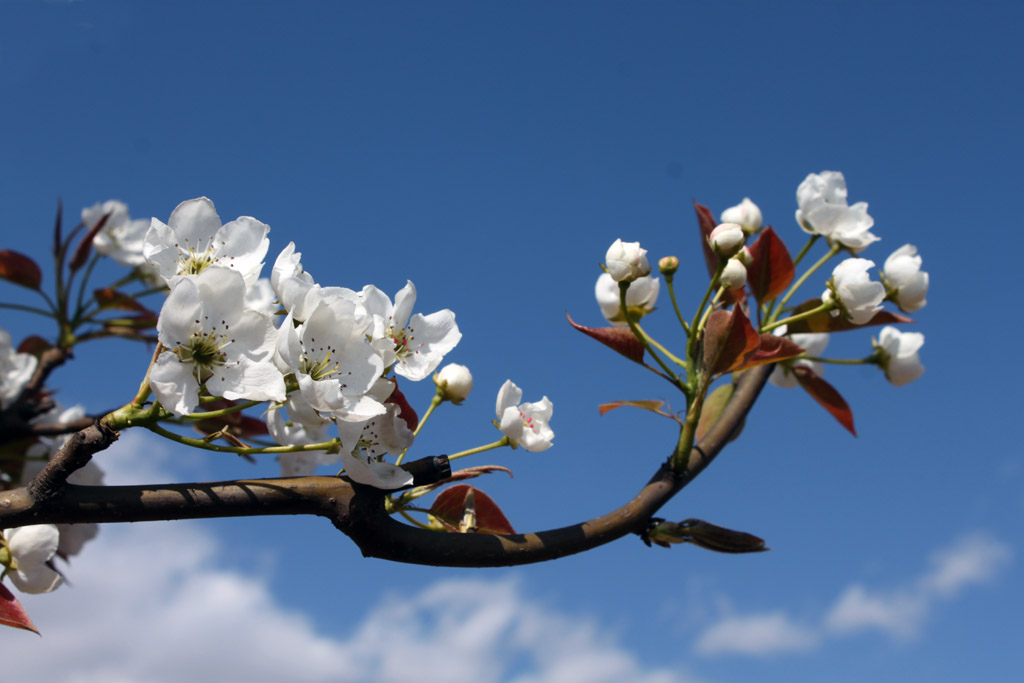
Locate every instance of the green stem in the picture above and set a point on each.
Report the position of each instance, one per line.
(28, 309)
(867, 360)
(242, 450)
(86, 274)
(195, 417)
(623, 288)
(803, 278)
(503, 441)
(653, 342)
(807, 248)
(675, 304)
(800, 316)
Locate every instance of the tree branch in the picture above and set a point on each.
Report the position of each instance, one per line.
(358, 510)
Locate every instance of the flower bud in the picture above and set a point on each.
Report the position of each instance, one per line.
(454, 382)
(745, 214)
(744, 256)
(668, 265)
(727, 239)
(908, 284)
(898, 354)
(734, 276)
(626, 261)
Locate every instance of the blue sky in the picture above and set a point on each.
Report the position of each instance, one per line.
(490, 152)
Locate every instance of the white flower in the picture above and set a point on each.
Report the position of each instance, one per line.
(626, 261)
(193, 239)
(524, 424)
(210, 337)
(746, 213)
(640, 297)
(31, 548)
(898, 355)
(364, 444)
(904, 276)
(15, 370)
(455, 382)
(814, 344)
(334, 364)
(852, 289)
(296, 423)
(260, 297)
(121, 237)
(824, 211)
(734, 275)
(727, 239)
(415, 344)
(295, 288)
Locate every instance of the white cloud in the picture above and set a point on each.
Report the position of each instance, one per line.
(151, 602)
(899, 612)
(755, 634)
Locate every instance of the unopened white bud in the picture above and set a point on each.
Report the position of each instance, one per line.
(745, 214)
(734, 276)
(727, 239)
(455, 382)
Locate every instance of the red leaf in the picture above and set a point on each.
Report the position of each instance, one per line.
(706, 222)
(772, 269)
(730, 341)
(405, 410)
(34, 345)
(451, 505)
(826, 395)
(773, 349)
(112, 299)
(826, 322)
(81, 254)
(12, 613)
(620, 339)
(20, 269)
(651, 405)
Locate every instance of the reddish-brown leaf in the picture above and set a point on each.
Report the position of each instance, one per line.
(12, 613)
(450, 508)
(729, 341)
(652, 405)
(772, 269)
(20, 269)
(826, 395)
(706, 222)
(826, 322)
(84, 247)
(112, 299)
(620, 339)
(34, 345)
(405, 410)
(772, 350)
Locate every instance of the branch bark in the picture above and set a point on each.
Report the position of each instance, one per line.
(359, 511)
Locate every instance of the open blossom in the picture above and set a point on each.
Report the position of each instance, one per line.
(121, 237)
(15, 369)
(414, 344)
(907, 282)
(193, 239)
(363, 446)
(31, 549)
(626, 261)
(210, 337)
(746, 214)
(851, 287)
(525, 424)
(455, 382)
(814, 344)
(331, 359)
(824, 211)
(640, 298)
(898, 355)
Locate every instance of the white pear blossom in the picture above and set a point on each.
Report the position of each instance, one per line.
(455, 382)
(746, 214)
(734, 275)
(121, 237)
(296, 423)
(193, 239)
(414, 344)
(903, 275)
(814, 344)
(824, 211)
(626, 261)
(364, 444)
(524, 424)
(260, 297)
(332, 360)
(210, 337)
(857, 296)
(296, 290)
(898, 355)
(31, 549)
(727, 239)
(16, 369)
(640, 297)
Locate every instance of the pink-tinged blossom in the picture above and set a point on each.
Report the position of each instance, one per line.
(727, 239)
(640, 298)
(31, 550)
(734, 275)
(824, 211)
(746, 214)
(193, 240)
(211, 338)
(853, 291)
(908, 284)
(898, 355)
(525, 424)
